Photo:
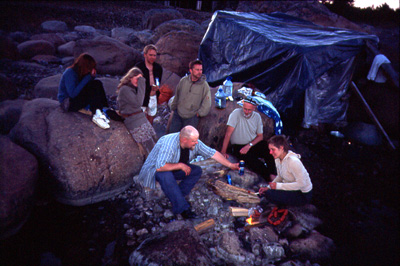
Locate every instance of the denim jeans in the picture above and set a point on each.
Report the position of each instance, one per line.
(177, 122)
(176, 193)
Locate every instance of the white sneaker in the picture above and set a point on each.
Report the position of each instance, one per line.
(101, 115)
(100, 122)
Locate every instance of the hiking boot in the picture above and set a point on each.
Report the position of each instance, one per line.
(100, 122)
(188, 214)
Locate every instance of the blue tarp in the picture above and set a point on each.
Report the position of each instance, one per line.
(302, 68)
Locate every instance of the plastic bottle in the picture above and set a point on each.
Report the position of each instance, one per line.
(228, 87)
(220, 99)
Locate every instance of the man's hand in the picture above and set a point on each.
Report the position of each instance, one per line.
(234, 166)
(154, 89)
(185, 168)
(245, 149)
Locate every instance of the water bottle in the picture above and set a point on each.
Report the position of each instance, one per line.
(157, 82)
(220, 99)
(228, 87)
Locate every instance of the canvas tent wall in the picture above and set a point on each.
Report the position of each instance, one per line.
(301, 67)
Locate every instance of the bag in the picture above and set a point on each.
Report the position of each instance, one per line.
(152, 107)
(165, 94)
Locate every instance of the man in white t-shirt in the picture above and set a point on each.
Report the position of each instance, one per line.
(245, 133)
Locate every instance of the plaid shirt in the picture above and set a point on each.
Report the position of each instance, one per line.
(167, 150)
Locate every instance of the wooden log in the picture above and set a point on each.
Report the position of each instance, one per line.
(201, 227)
(230, 192)
(238, 212)
(213, 126)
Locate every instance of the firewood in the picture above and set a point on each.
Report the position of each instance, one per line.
(201, 227)
(238, 212)
(230, 192)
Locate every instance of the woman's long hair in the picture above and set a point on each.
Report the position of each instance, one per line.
(125, 80)
(83, 65)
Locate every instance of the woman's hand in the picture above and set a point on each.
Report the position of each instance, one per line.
(93, 72)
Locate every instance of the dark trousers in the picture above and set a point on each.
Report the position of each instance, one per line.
(177, 122)
(288, 198)
(252, 161)
(91, 95)
(176, 193)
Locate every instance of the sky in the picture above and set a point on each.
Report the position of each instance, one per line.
(369, 3)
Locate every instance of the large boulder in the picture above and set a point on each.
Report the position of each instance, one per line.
(85, 164)
(18, 177)
(10, 111)
(214, 135)
(187, 25)
(154, 17)
(48, 87)
(177, 244)
(176, 49)
(66, 49)
(122, 34)
(53, 38)
(315, 247)
(54, 26)
(112, 56)
(169, 78)
(29, 49)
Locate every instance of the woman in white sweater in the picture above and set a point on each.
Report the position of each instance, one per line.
(292, 185)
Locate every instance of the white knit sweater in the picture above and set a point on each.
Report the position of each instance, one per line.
(291, 174)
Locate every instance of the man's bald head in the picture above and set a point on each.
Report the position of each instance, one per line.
(189, 132)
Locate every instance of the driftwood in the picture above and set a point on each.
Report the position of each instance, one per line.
(213, 126)
(238, 212)
(230, 192)
(200, 228)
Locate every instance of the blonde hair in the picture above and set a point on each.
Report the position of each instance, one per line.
(133, 72)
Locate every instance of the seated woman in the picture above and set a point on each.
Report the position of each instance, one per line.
(131, 90)
(79, 87)
(292, 185)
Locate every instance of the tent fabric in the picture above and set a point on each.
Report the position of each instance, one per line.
(300, 67)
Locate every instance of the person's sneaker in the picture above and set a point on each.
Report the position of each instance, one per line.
(102, 116)
(188, 214)
(100, 122)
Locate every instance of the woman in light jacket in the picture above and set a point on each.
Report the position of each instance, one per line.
(292, 185)
(131, 91)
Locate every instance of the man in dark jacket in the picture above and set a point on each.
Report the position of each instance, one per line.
(151, 71)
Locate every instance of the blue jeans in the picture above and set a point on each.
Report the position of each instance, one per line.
(177, 122)
(176, 193)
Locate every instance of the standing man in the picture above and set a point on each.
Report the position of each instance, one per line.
(169, 161)
(192, 98)
(245, 132)
(151, 70)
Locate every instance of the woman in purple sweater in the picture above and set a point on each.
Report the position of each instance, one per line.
(79, 89)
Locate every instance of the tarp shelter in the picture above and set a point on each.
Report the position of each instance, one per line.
(303, 69)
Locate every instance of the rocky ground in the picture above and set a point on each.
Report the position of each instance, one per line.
(355, 186)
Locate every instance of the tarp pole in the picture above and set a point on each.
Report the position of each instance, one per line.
(372, 115)
(388, 68)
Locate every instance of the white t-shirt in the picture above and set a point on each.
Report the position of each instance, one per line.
(246, 129)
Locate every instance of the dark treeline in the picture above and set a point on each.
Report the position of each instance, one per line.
(381, 15)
